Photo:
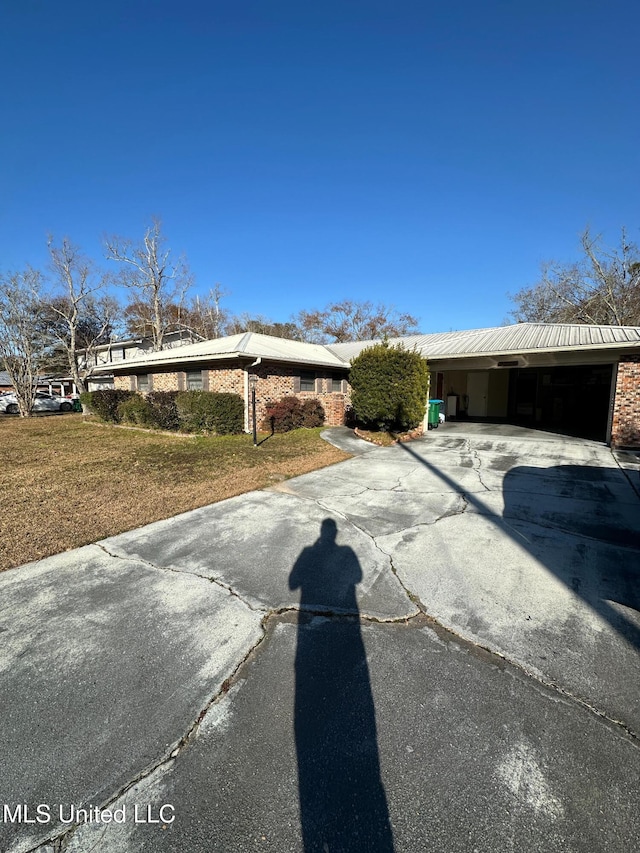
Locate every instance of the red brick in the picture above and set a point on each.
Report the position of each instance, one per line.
(625, 428)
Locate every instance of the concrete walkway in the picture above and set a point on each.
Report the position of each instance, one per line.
(431, 646)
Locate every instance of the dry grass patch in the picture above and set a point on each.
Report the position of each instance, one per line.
(68, 481)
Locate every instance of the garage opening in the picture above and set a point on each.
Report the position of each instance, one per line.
(571, 400)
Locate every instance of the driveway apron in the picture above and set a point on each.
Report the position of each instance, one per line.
(430, 646)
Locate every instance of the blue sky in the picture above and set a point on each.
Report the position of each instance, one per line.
(425, 154)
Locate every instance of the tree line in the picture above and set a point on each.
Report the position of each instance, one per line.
(52, 321)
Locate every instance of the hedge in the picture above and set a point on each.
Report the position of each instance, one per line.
(105, 403)
(205, 411)
(136, 410)
(163, 409)
(192, 411)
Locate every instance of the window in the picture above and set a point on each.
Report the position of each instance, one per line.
(194, 380)
(143, 383)
(307, 380)
(335, 384)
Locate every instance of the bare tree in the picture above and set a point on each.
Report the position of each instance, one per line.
(603, 287)
(21, 335)
(204, 317)
(354, 321)
(157, 281)
(80, 316)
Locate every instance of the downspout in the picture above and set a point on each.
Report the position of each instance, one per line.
(246, 391)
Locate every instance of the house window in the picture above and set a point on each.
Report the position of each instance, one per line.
(194, 380)
(335, 384)
(143, 383)
(307, 380)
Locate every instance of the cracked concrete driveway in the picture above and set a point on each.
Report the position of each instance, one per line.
(432, 646)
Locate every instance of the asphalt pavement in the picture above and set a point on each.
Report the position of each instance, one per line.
(429, 647)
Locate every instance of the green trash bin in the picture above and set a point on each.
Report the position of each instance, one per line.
(433, 416)
(77, 405)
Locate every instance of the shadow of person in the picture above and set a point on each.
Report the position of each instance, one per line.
(343, 806)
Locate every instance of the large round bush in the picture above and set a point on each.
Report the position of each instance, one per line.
(390, 386)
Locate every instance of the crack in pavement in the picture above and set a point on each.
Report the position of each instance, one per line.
(423, 618)
(175, 570)
(475, 456)
(60, 840)
(446, 632)
(471, 644)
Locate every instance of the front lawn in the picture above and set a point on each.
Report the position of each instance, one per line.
(68, 480)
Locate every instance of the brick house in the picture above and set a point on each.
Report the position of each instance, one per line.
(283, 367)
(571, 378)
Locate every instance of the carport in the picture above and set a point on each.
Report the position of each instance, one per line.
(572, 399)
(572, 379)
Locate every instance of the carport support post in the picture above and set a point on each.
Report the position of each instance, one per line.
(253, 381)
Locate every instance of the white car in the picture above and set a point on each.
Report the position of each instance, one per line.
(43, 403)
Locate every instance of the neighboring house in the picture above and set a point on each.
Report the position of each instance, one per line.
(123, 350)
(579, 379)
(48, 384)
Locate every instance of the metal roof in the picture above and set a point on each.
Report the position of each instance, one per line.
(244, 345)
(503, 340)
(500, 340)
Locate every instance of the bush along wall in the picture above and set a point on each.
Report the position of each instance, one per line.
(290, 413)
(192, 411)
(389, 387)
(104, 404)
(135, 410)
(206, 411)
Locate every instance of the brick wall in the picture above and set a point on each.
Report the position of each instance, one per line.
(164, 382)
(227, 380)
(625, 428)
(274, 382)
(279, 380)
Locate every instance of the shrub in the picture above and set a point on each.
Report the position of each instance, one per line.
(390, 387)
(205, 411)
(312, 413)
(283, 416)
(162, 409)
(289, 413)
(228, 413)
(104, 403)
(135, 410)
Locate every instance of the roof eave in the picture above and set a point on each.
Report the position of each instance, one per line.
(126, 366)
(617, 345)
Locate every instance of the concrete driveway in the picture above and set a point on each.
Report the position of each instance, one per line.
(432, 646)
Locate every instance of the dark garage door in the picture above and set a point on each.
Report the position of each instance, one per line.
(571, 400)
